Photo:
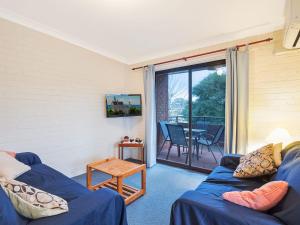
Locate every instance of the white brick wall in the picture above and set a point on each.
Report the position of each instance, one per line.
(52, 99)
(274, 91)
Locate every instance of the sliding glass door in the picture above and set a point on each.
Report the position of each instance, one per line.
(190, 115)
(172, 93)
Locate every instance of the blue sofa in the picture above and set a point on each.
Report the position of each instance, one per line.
(205, 206)
(102, 207)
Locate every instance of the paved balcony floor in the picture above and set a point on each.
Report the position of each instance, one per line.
(206, 159)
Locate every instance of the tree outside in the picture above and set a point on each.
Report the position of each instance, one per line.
(208, 97)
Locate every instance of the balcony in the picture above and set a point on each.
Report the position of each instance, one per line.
(210, 156)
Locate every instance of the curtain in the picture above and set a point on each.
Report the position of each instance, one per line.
(236, 109)
(150, 115)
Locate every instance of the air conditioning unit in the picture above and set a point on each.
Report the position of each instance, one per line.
(292, 30)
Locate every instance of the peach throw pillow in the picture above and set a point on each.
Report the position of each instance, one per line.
(261, 199)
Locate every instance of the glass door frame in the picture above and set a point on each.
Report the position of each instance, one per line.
(190, 69)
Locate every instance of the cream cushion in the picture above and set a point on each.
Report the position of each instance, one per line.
(257, 163)
(277, 148)
(32, 202)
(10, 168)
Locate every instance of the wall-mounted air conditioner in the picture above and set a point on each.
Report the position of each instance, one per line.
(292, 30)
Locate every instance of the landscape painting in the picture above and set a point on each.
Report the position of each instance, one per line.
(123, 105)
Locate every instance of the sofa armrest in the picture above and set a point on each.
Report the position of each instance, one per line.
(230, 161)
(197, 208)
(28, 158)
(101, 207)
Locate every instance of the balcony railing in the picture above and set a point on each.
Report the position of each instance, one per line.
(197, 121)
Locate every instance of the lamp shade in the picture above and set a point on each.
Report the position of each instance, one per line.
(279, 135)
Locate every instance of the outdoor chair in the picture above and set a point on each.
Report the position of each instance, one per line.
(220, 143)
(210, 138)
(177, 138)
(165, 134)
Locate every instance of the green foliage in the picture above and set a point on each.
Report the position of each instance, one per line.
(111, 112)
(210, 93)
(210, 97)
(177, 106)
(134, 111)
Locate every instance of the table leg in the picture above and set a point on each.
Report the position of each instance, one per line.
(122, 153)
(88, 177)
(143, 184)
(143, 155)
(120, 185)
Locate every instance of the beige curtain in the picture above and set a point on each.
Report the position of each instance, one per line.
(236, 109)
(150, 115)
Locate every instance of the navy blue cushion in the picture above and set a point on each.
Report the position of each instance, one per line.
(206, 207)
(28, 158)
(288, 210)
(8, 214)
(215, 190)
(102, 207)
(230, 161)
(224, 175)
(47, 179)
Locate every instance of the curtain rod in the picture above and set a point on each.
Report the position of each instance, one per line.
(206, 53)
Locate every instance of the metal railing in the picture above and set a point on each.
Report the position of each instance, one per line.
(197, 121)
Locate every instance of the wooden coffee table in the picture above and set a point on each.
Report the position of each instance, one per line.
(118, 169)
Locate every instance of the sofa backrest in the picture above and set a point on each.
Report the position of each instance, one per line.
(8, 214)
(288, 210)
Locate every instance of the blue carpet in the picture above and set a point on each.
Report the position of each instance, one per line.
(164, 185)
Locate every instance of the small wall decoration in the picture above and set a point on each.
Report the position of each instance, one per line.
(123, 105)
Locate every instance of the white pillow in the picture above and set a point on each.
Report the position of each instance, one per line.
(277, 148)
(10, 168)
(32, 202)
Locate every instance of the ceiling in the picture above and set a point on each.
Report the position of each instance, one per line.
(132, 31)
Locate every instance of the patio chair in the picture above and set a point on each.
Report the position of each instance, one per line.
(210, 138)
(177, 138)
(220, 143)
(165, 133)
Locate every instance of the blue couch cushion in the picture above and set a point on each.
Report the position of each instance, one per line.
(215, 190)
(8, 214)
(223, 175)
(28, 158)
(288, 210)
(102, 207)
(47, 179)
(206, 206)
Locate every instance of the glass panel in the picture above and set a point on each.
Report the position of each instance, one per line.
(172, 92)
(208, 114)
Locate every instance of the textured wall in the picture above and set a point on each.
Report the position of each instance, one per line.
(274, 91)
(52, 99)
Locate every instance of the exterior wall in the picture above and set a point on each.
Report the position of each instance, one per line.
(274, 88)
(161, 89)
(162, 97)
(52, 99)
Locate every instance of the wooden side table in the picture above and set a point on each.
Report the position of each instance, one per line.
(119, 170)
(123, 145)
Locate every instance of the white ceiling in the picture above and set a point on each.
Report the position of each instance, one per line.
(132, 31)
